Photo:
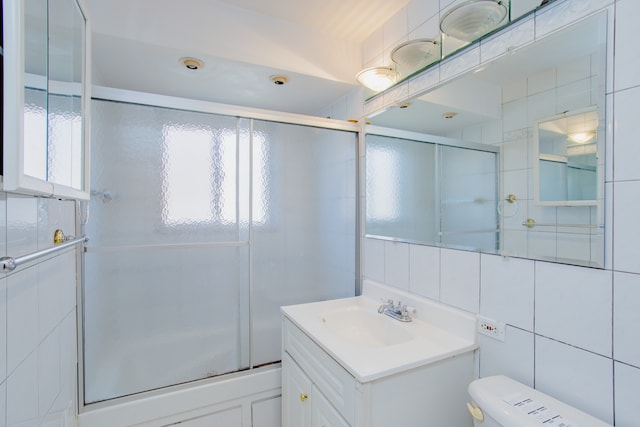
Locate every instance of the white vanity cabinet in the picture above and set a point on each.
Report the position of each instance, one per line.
(318, 391)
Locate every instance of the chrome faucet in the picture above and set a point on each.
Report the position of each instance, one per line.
(399, 312)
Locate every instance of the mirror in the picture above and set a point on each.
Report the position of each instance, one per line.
(550, 193)
(44, 66)
(567, 166)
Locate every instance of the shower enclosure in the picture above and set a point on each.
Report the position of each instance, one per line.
(202, 225)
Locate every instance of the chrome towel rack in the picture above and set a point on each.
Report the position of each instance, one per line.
(9, 263)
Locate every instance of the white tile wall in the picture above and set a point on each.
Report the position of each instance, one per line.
(627, 57)
(424, 271)
(585, 319)
(626, 104)
(627, 402)
(460, 274)
(574, 305)
(626, 320)
(38, 364)
(513, 357)
(507, 290)
(396, 264)
(577, 377)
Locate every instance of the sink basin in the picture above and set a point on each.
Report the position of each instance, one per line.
(371, 345)
(362, 327)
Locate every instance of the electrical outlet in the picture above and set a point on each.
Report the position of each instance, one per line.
(491, 328)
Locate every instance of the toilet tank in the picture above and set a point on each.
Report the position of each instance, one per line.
(502, 401)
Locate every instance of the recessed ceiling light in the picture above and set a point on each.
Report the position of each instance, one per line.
(279, 80)
(449, 115)
(192, 64)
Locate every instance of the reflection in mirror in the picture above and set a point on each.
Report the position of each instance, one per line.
(35, 88)
(506, 104)
(567, 166)
(437, 190)
(66, 59)
(51, 134)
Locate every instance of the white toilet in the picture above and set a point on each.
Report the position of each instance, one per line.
(499, 401)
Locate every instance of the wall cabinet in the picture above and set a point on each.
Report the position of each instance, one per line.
(318, 392)
(46, 93)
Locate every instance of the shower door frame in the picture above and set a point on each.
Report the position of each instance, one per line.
(102, 93)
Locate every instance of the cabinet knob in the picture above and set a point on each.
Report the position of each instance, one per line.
(303, 397)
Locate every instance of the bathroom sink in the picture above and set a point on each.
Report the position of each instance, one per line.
(371, 345)
(362, 327)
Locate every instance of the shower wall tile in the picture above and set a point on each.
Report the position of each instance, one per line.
(460, 279)
(54, 214)
(507, 290)
(22, 394)
(627, 402)
(48, 372)
(627, 60)
(626, 319)
(56, 292)
(576, 377)
(424, 271)
(22, 316)
(513, 357)
(573, 305)
(396, 264)
(3, 330)
(22, 225)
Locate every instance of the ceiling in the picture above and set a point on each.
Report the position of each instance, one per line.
(137, 44)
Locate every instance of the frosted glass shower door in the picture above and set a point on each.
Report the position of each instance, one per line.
(303, 228)
(202, 226)
(166, 272)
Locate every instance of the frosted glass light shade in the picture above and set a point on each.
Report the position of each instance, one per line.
(416, 54)
(473, 19)
(377, 78)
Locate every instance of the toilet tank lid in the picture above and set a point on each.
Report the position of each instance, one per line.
(513, 404)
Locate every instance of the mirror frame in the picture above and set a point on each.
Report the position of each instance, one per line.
(14, 178)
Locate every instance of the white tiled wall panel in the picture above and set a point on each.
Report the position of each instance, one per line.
(626, 320)
(424, 271)
(506, 292)
(513, 357)
(396, 264)
(627, 55)
(577, 377)
(626, 104)
(38, 364)
(460, 274)
(573, 305)
(627, 402)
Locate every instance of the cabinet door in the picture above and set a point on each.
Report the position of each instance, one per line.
(296, 395)
(323, 414)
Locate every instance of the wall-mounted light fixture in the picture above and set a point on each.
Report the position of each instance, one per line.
(377, 78)
(472, 19)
